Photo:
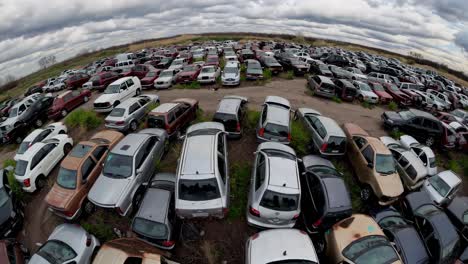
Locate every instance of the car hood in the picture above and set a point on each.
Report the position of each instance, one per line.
(88, 84)
(390, 185)
(206, 74)
(8, 121)
(254, 71)
(435, 195)
(230, 75)
(383, 94)
(188, 73)
(5, 211)
(107, 191)
(106, 98)
(147, 80)
(368, 93)
(393, 116)
(163, 79)
(59, 197)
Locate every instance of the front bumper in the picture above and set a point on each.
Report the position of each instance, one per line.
(162, 86)
(69, 218)
(230, 83)
(206, 80)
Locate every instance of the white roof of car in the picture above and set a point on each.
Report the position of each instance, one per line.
(278, 115)
(121, 80)
(33, 135)
(30, 152)
(283, 173)
(277, 100)
(450, 177)
(198, 159)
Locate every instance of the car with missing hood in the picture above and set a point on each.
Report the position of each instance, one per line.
(77, 174)
(270, 63)
(188, 73)
(148, 81)
(384, 97)
(398, 96)
(128, 169)
(358, 239)
(254, 70)
(374, 166)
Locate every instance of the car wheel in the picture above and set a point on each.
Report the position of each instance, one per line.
(138, 92)
(116, 103)
(395, 129)
(67, 148)
(361, 98)
(320, 246)
(89, 207)
(434, 109)
(366, 193)
(430, 141)
(40, 182)
(64, 113)
(39, 122)
(18, 140)
(133, 126)
(85, 99)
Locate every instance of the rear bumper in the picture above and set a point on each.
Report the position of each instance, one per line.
(69, 218)
(103, 109)
(262, 139)
(116, 127)
(253, 222)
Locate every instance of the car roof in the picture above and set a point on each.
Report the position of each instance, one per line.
(155, 205)
(30, 152)
(450, 177)
(283, 173)
(354, 129)
(333, 129)
(33, 135)
(338, 195)
(229, 106)
(129, 145)
(127, 103)
(278, 115)
(378, 145)
(63, 94)
(277, 100)
(121, 80)
(198, 156)
(458, 207)
(315, 160)
(413, 249)
(326, 79)
(164, 108)
(70, 234)
(424, 114)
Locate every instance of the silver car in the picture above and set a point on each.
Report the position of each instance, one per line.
(128, 169)
(274, 122)
(280, 246)
(202, 185)
(328, 138)
(275, 190)
(127, 115)
(442, 187)
(69, 244)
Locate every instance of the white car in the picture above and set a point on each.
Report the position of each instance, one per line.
(208, 74)
(364, 93)
(198, 54)
(178, 64)
(116, 93)
(39, 135)
(357, 73)
(38, 161)
(231, 73)
(231, 58)
(424, 153)
(442, 187)
(166, 79)
(440, 104)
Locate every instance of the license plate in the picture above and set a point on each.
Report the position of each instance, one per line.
(334, 151)
(200, 214)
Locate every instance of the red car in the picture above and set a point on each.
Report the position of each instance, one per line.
(445, 117)
(188, 74)
(67, 101)
(6, 106)
(77, 80)
(212, 60)
(139, 71)
(398, 96)
(148, 81)
(101, 80)
(384, 97)
(187, 55)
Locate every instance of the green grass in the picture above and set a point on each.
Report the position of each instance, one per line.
(309, 92)
(351, 184)
(289, 75)
(201, 116)
(85, 119)
(300, 138)
(267, 74)
(393, 106)
(240, 177)
(14, 185)
(455, 166)
(152, 106)
(396, 134)
(336, 99)
(101, 230)
(191, 85)
(367, 105)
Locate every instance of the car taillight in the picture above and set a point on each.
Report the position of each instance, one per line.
(289, 137)
(254, 211)
(261, 132)
(27, 182)
(168, 243)
(324, 147)
(68, 214)
(317, 223)
(167, 127)
(238, 128)
(295, 217)
(88, 241)
(119, 122)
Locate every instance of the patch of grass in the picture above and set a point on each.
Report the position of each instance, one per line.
(152, 106)
(201, 116)
(85, 119)
(240, 178)
(396, 134)
(300, 138)
(14, 185)
(351, 184)
(289, 75)
(367, 105)
(336, 99)
(454, 166)
(191, 85)
(309, 92)
(251, 120)
(243, 68)
(267, 74)
(100, 229)
(393, 106)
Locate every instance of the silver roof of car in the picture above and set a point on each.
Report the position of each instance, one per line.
(129, 145)
(229, 106)
(155, 205)
(315, 160)
(450, 177)
(278, 115)
(277, 100)
(333, 129)
(198, 157)
(163, 108)
(205, 125)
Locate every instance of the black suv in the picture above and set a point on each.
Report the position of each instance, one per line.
(337, 60)
(231, 113)
(418, 124)
(11, 215)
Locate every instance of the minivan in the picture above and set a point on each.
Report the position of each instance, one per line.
(123, 66)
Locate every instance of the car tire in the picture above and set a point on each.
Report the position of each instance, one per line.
(64, 113)
(85, 99)
(62, 132)
(320, 246)
(38, 122)
(40, 182)
(361, 98)
(133, 126)
(67, 148)
(18, 140)
(138, 92)
(430, 141)
(366, 193)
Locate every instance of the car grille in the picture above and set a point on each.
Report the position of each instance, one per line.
(159, 83)
(230, 80)
(205, 78)
(101, 105)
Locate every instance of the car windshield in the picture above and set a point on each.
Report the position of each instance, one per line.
(212, 59)
(321, 170)
(393, 87)
(198, 190)
(79, 151)
(370, 249)
(166, 74)
(384, 164)
(276, 130)
(149, 228)
(208, 69)
(378, 87)
(230, 70)
(177, 62)
(13, 112)
(439, 185)
(56, 252)
(118, 166)
(255, 66)
(190, 68)
(279, 201)
(151, 74)
(3, 196)
(117, 112)
(23, 147)
(66, 178)
(112, 89)
(406, 115)
(95, 78)
(21, 166)
(364, 87)
(323, 67)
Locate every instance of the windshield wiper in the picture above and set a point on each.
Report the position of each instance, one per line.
(387, 172)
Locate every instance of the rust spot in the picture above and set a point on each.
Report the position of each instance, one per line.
(346, 223)
(357, 235)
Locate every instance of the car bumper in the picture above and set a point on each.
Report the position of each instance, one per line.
(69, 218)
(324, 94)
(103, 109)
(230, 83)
(147, 86)
(116, 127)
(234, 134)
(162, 86)
(206, 80)
(253, 222)
(156, 245)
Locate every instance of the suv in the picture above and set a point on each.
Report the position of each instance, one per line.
(322, 86)
(230, 113)
(275, 189)
(202, 185)
(77, 80)
(345, 90)
(139, 71)
(418, 124)
(127, 170)
(127, 115)
(374, 166)
(274, 122)
(254, 70)
(173, 116)
(116, 93)
(77, 173)
(101, 80)
(378, 77)
(123, 66)
(327, 136)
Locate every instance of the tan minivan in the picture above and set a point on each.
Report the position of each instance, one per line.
(77, 174)
(359, 239)
(374, 166)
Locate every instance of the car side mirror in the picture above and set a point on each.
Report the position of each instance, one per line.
(370, 165)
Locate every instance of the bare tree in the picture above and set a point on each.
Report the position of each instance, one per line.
(47, 61)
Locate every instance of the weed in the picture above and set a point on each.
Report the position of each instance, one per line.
(367, 105)
(85, 119)
(336, 99)
(240, 177)
(100, 229)
(267, 74)
(191, 85)
(243, 68)
(396, 134)
(201, 117)
(14, 185)
(454, 166)
(393, 106)
(300, 138)
(9, 162)
(251, 120)
(152, 106)
(309, 92)
(242, 77)
(351, 184)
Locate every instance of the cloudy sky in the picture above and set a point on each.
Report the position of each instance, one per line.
(31, 29)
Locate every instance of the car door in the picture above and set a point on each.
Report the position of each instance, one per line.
(88, 174)
(133, 113)
(53, 156)
(76, 98)
(355, 145)
(223, 166)
(366, 164)
(123, 92)
(257, 182)
(413, 126)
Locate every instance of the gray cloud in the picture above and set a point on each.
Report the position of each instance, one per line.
(461, 39)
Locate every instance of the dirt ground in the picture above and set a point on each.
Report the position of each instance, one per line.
(217, 240)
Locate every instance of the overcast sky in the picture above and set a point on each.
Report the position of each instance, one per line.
(31, 29)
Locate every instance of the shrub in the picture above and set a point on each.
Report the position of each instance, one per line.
(367, 105)
(392, 106)
(267, 74)
(86, 119)
(454, 166)
(300, 138)
(14, 185)
(353, 188)
(243, 68)
(201, 117)
(240, 178)
(290, 75)
(252, 119)
(396, 134)
(192, 85)
(152, 106)
(101, 230)
(336, 99)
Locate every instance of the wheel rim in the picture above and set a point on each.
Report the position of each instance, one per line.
(39, 122)
(430, 141)
(64, 113)
(18, 140)
(66, 149)
(365, 194)
(89, 207)
(133, 126)
(86, 99)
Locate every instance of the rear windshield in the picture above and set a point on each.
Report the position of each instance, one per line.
(371, 249)
(149, 228)
(117, 112)
(156, 122)
(80, 151)
(276, 130)
(66, 178)
(118, 166)
(21, 166)
(336, 145)
(279, 201)
(23, 147)
(229, 121)
(199, 190)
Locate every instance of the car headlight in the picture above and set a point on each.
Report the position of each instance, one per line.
(390, 121)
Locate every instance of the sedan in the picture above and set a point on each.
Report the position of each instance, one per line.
(254, 70)
(189, 73)
(67, 101)
(424, 153)
(365, 93)
(165, 80)
(68, 243)
(148, 81)
(209, 74)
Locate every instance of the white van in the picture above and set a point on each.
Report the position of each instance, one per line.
(125, 57)
(124, 66)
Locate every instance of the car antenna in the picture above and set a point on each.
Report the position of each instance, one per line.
(284, 253)
(284, 184)
(197, 172)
